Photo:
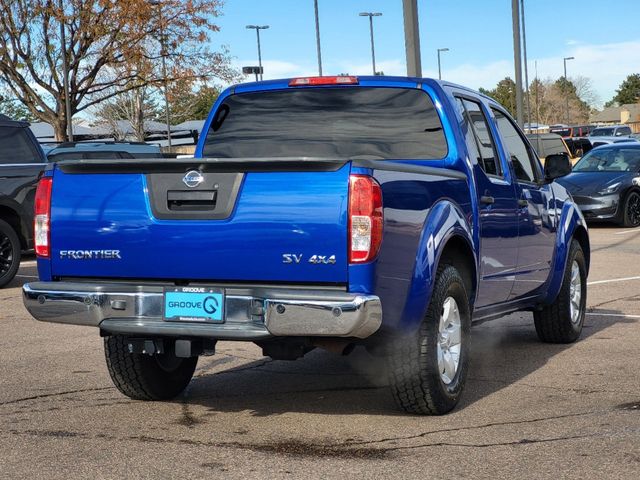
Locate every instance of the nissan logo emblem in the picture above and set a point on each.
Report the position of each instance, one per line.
(193, 178)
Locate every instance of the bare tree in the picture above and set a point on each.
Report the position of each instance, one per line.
(127, 112)
(112, 46)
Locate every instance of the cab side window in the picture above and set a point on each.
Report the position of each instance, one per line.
(518, 151)
(478, 137)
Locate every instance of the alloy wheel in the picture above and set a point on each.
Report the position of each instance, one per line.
(575, 293)
(633, 209)
(449, 343)
(6, 254)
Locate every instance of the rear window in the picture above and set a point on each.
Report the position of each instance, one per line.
(602, 132)
(546, 146)
(17, 147)
(345, 122)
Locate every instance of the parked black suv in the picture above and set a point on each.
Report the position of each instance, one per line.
(21, 162)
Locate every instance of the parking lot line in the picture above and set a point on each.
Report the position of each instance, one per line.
(613, 315)
(29, 262)
(611, 280)
(626, 231)
(27, 276)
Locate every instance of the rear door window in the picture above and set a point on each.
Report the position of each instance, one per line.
(478, 137)
(343, 122)
(17, 147)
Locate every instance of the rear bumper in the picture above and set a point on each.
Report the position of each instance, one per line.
(250, 313)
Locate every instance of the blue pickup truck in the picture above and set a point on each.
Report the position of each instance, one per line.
(318, 212)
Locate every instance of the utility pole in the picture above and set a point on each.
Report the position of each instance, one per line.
(65, 74)
(412, 37)
(257, 28)
(566, 86)
(373, 50)
(526, 69)
(439, 70)
(517, 60)
(315, 5)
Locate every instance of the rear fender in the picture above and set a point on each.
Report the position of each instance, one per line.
(444, 222)
(572, 224)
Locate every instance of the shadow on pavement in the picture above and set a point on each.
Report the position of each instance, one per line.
(503, 352)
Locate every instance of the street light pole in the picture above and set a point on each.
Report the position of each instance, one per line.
(65, 75)
(439, 71)
(373, 50)
(257, 28)
(566, 86)
(315, 6)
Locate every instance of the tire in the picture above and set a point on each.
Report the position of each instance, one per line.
(418, 382)
(561, 322)
(10, 251)
(147, 377)
(631, 210)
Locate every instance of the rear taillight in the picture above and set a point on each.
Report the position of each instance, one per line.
(42, 218)
(365, 218)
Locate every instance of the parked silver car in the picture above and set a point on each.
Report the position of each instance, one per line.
(610, 134)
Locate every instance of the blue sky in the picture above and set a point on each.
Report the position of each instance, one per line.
(603, 36)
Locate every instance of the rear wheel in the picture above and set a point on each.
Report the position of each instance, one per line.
(428, 369)
(9, 253)
(147, 377)
(562, 321)
(631, 210)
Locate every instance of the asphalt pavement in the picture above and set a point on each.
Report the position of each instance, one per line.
(530, 410)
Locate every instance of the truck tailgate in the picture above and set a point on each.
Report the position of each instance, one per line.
(240, 223)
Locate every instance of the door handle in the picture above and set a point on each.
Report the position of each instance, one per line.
(522, 202)
(487, 200)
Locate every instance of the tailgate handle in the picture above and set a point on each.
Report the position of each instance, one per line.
(189, 201)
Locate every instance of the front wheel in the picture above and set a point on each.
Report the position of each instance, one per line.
(428, 369)
(631, 210)
(147, 377)
(562, 321)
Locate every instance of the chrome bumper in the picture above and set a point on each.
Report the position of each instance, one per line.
(250, 313)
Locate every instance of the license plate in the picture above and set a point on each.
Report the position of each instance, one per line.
(194, 304)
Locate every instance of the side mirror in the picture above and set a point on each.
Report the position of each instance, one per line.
(556, 166)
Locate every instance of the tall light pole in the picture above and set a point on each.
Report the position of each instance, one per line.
(315, 7)
(257, 28)
(439, 71)
(163, 55)
(373, 50)
(65, 74)
(566, 85)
